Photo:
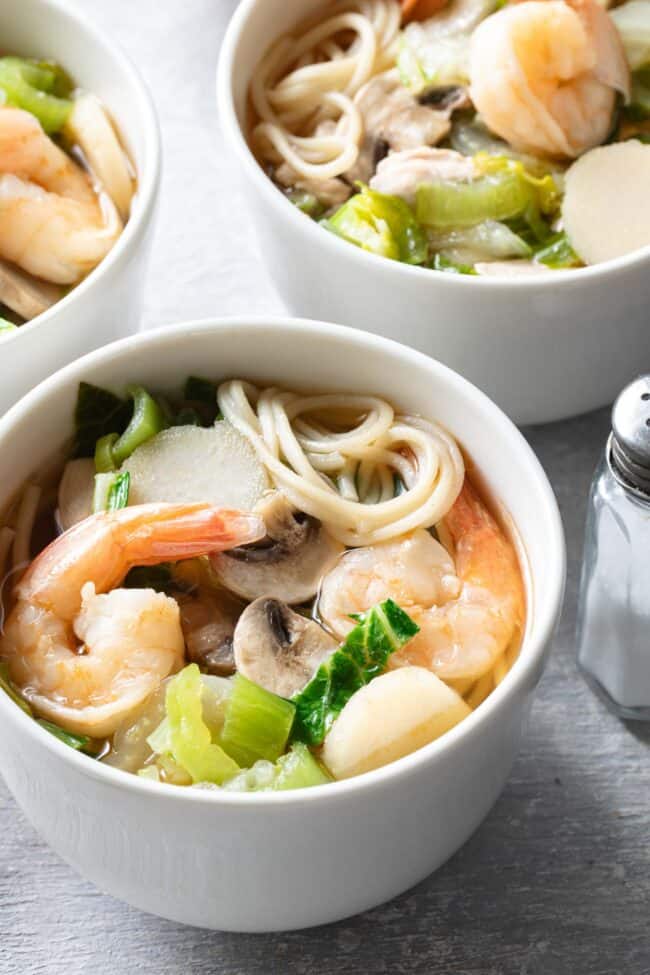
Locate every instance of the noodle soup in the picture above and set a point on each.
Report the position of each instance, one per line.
(66, 187)
(249, 588)
(442, 134)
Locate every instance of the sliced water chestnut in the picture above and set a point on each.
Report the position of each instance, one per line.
(288, 564)
(278, 649)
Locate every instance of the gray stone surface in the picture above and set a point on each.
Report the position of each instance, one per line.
(557, 880)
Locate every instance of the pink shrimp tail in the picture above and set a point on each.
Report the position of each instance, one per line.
(184, 531)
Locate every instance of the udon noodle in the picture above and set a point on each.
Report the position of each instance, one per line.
(304, 88)
(337, 456)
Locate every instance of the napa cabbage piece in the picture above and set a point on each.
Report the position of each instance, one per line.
(382, 224)
(435, 52)
(379, 632)
(298, 769)
(186, 736)
(503, 189)
(633, 23)
(489, 240)
(257, 723)
(36, 86)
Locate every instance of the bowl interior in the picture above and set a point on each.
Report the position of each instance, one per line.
(315, 357)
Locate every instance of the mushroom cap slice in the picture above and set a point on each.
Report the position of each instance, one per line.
(288, 565)
(279, 649)
(208, 629)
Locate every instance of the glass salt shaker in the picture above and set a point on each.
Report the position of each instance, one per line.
(613, 630)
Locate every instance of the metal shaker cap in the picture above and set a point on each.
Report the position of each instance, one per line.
(630, 441)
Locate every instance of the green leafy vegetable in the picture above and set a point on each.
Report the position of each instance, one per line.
(118, 493)
(200, 390)
(298, 769)
(381, 224)
(29, 85)
(104, 457)
(441, 263)
(190, 741)
(199, 407)
(8, 688)
(158, 577)
(503, 189)
(98, 412)
(307, 203)
(257, 724)
(78, 742)
(382, 630)
(7, 327)
(147, 420)
(558, 253)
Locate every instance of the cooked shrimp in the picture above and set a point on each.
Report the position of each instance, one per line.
(469, 608)
(52, 223)
(545, 75)
(84, 653)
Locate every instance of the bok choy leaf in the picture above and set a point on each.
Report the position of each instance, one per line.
(364, 654)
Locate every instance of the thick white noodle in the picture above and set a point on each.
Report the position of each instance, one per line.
(336, 457)
(303, 89)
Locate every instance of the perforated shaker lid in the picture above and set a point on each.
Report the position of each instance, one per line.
(630, 451)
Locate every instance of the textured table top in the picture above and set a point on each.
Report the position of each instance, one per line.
(557, 879)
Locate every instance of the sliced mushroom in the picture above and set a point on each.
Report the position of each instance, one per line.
(25, 295)
(208, 631)
(288, 564)
(279, 649)
(400, 173)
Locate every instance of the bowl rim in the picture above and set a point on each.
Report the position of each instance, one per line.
(532, 653)
(148, 180)
(297, 221)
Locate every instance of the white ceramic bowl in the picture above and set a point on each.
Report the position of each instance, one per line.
(543, 347)
(280, 861)
(107, 304)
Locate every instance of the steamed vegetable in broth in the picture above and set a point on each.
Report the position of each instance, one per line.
(474, 137)
(66, 187)
(253, 589)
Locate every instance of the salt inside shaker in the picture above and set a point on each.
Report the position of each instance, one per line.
(613, 630)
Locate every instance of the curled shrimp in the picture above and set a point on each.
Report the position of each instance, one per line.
(469, 608)
(52, 222)
(545, 75)
(85, 654)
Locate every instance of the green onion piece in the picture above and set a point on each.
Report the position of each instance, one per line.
(558, 253)
(148, 419)
(10, 691)
(118, 493)
(78, 742)
(298, 769)
(382, 224)
(257, 723)
(103, 484)
(442, 263)
(25, 85)
(104, 459)
(382, 630)
(191, 744)
(98, 412)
